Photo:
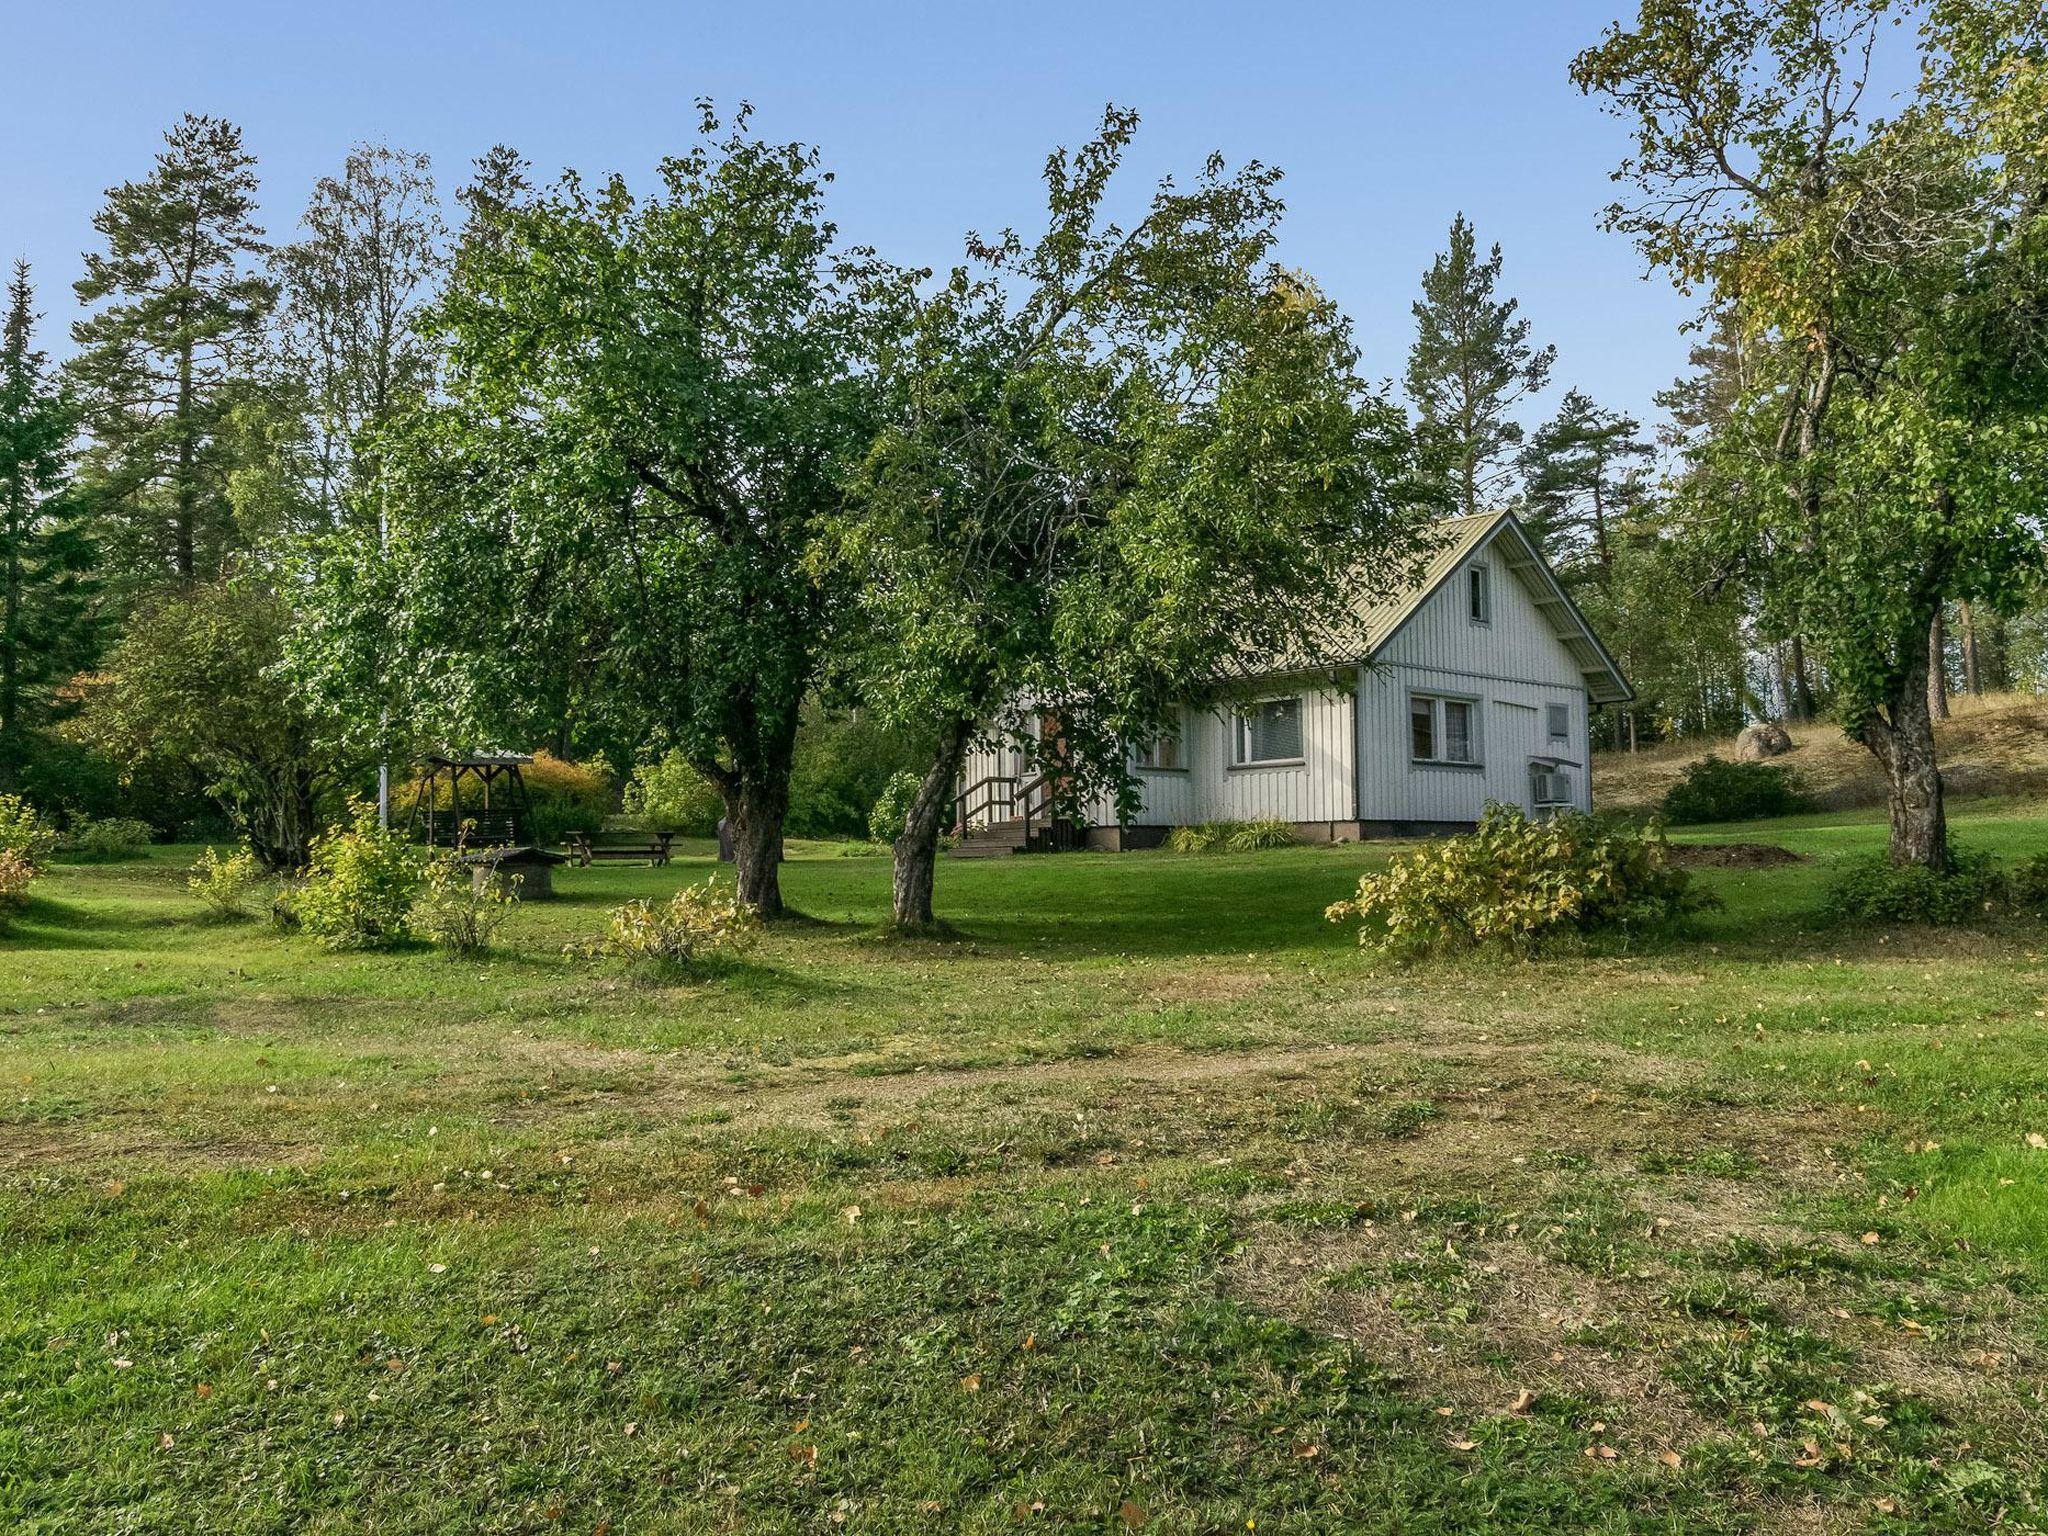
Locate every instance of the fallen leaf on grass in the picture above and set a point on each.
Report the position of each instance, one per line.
(970, 1383)
(1132, 1514)
(1524, 1401)
(1671, 1459)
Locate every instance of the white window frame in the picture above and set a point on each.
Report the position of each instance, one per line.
(1479, 592)
(1552, 715)
(1144, 756)
(1437, 737)
(1241, 734)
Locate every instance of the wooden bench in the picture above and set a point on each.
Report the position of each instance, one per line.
(586, 850)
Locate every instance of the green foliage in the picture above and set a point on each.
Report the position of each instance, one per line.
(1579, 473)
(176, 318)
(700, 927)
(566, 797)
(1874, 889)
(892, 807)
(1470, 365)
(360, 885)
(1241, 478)
(1714, 789)
(844, 763)
(195, 683)
(224, 884)
(2026, 885)
(1513, 882)
(458, 913)
(105, 839)
(47, 627)
(610, 515)
(24, 833)
(17, 874)
(1233, 836)
(670, 796)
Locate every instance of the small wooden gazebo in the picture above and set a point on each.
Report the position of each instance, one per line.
(496, 804)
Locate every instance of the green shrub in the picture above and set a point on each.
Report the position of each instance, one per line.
(1714, 789)
(24, 833)
(105, 840)
(700, 926)
(1233, 836)
(224, 884)
(565, 797)
(671, 796)
(1514, 882)
(1258, 835)
(459, 913)
(2027, 886)
(844, 764)
(892, 807)
(1872, 889)
(359, 886)
(17, 874)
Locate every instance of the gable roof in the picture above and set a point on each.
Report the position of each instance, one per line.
(1382, 617)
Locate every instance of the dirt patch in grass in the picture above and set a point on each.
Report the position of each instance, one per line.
(1733, 855)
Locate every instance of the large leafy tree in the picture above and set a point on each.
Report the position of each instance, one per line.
(46, 560)
(177, 325)
(1123, 462)
(348, 354)
(1887, 455)
(1471, 364)
(195, 683)
(650, 403)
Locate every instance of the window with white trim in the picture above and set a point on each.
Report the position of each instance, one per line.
(1559, 717)
(1442, 730)
(1269, 732)
(1166, 752)
(1479, 596)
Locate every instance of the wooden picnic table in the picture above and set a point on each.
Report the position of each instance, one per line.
(586, 850)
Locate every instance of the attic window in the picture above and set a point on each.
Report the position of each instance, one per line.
(1479, 598)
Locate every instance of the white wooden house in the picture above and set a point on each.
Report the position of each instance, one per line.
(1474, 684)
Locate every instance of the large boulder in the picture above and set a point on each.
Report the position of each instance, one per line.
(1765, 739)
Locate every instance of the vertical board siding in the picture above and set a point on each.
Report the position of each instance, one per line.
(1356, 764)
(1515, 658)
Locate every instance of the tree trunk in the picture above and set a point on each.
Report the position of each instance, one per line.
(1800, 703)
(1973, 672)
(1937, 667)
(755, 813)
(916, 852)
(1904, 748)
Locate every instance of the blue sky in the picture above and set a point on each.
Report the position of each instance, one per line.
(1387, 118)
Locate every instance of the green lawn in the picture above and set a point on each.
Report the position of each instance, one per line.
(1147, 1201)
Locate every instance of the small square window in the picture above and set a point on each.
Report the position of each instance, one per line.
(1442, 730)
(1481, 599)
(1560, 721)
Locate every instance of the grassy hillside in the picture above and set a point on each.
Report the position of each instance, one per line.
(1995, 745)
(1150, 1202)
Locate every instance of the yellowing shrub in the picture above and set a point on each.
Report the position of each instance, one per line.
(1514, 882)
(223, 884)
(16, 876)
(698, 926)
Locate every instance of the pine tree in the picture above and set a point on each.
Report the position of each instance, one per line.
(1470, 365)
(168, 350)
(1577, 474)
(45, 558)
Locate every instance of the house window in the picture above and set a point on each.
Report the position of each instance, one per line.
(1441, 730)
(1165, 753)
(1478, 596)
(1559, 717)
(1269, 732)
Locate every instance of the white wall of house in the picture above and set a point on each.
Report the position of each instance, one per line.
(1514, 682)
(1512, 667)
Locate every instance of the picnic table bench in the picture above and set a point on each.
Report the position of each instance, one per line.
(586, 850)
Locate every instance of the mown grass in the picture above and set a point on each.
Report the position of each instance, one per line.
(1147, 1201)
